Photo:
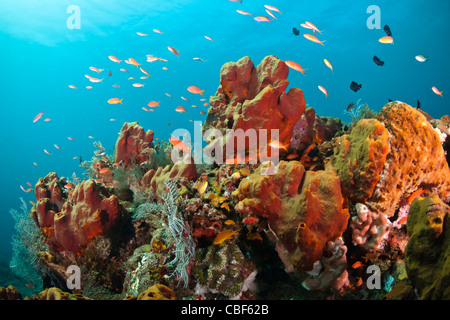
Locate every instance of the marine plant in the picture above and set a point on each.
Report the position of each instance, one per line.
(27, 245)
(360, 111)
(181, 234)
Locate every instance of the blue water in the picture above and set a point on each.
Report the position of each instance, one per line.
(40, 56)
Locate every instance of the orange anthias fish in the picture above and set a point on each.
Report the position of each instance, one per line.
(243, 12)
(272, 8)
(328, 64)
(96, 70)
(180, 109)
(39, 115)
(277, 145)
(201, 187)
(313, 27)
(209, 38)
(323, 90)
(414, 195)
(386, 40)
(195, 90)
(357, 265)
(177, 143)
(134, 62)
(115, 101)
(174, 51)
(435, 90)
(144, 71)
(71, 86)
(141, 34)
(153, 104)
(312, 38)
(295, 66)
(112, 58)
(224, 235)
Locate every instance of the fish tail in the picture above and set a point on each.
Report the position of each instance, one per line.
(120, 101)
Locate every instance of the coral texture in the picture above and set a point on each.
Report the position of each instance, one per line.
(253, 98)
(428, 250)
(304, 210)
(89, 211)
(133, 144)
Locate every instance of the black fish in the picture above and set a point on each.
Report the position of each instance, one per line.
(296, 31)
(350, 106)
(81, 159)
(355, 87)
(378, 61)
(390, 100)
(418, 104)
(387, 30)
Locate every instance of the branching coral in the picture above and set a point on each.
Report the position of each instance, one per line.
(334, 273)
(369, 228)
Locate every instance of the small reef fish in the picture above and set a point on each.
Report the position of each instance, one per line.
(29, 184)
(209, 38)
(177, 143)
(421, 58)
(134, 62)
(355, 87)
(262, 19)
(91, 79)
(185, 99)
(414, 195)
(157, 31)
(88, 87)
(328, 64)
(357, 264)
(70, 138)
(195, 90)
(109, 73)
(223, 236)
(115, 101)
(435, 90)
(229, 222)
(240, 1)
(304, 25)
(46, 151)
(96, 70)
(418, 104)
(201, 187)
(168, 94)
(295, 66)
(198, 59)
(272, 8)
(312, 27)
(202, 112)
(124, 70)
(38, 116)
(71, 86)
(35, 164)
(323, 90)
(386, 40)
(145, 109)
(180, 109)
(144, 71)
(350, 106)
(312, 38)
(141, 34)
(295, 31)
(271, 14)
(174, 51)
(378, 61)
(243, 12)
(25, 190)
(116, 86)
(138, 85)
(387, 30)
(104, 170)
(277, 145)
(153, 104)
(114, 59)
(57, 147)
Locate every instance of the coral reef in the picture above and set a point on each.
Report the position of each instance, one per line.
(304, 210)
(252, 98)
(337, 201)
(133, 144)
(428, 248)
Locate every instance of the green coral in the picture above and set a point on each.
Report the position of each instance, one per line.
(220, 269)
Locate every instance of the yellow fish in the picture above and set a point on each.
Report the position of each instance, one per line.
(201, 187)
